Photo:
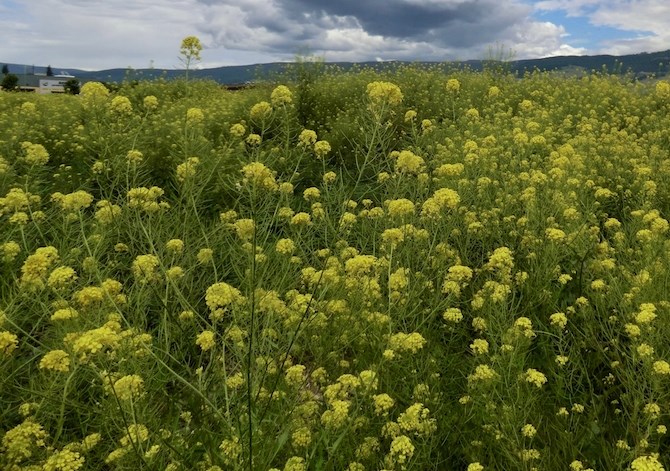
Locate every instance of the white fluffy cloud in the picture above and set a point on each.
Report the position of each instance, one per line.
(646, 21)
(98, 34)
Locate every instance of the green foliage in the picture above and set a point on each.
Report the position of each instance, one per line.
(444, 270)
(9, 82)
(71, 86)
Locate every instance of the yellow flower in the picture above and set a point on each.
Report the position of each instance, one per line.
(307, 138)
(8, 343)
(281, 95)
(479, 346)
(9, 251)
(336, 416)
(663, 90)
(232, 450)
(222, 295)
(205, 256)
(285, 246)
(453, 314)
(400, 207)
(145, 268)
(61, 277)
(129, 387)
(321, 148)
(256, 173)
(121, 105)
(206, 340)
(416, 420)
(107, 212)
(150, 102)
(64, 314)
(92, 91)
(295, 463)
(56, 360)
(194, 116)
(453, 85)
(661, 367)
(20, 442)
(647, 463)
(187, 170)
(384, 93)
(35, 154)
(261, 111)
(36, 266)
(253, 140)
(482, 373)
(409, 163)
(535, 377)
(528, 431)
(238, 130)
(175, 246)
(383, 403)
(401, 450)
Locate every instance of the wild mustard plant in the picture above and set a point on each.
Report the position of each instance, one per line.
(444, 270)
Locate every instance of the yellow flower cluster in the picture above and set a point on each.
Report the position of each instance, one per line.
(64, 460)
(56, 360)
(61, 277)
(258, 175)
(17, 200)
(21, 442)
(535, 377)
(384, 93)
(107, 212)
(36, 267)
(194, 116)
(407, 162)
(93, 91)
(186, 170)
(146, 268)
(221, 297)
(121, 105)
(281, 95)
(73, 202)
(147, 199)
(411, 343)
(442, 200)
(8, 342)
(647, 463)
(129, 387)
(35, 154)
(206, 340)
(260, 112)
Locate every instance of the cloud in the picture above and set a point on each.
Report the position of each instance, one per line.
(365, 30)
(97, 34)
(645, 21)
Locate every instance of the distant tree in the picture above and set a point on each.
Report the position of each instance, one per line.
(72, 87)
(9, 82)
(50, 73)
(5, 69)
(190, 52)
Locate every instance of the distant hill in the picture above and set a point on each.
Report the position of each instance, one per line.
(641, 65)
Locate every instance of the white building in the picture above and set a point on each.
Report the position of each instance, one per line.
(42, 83)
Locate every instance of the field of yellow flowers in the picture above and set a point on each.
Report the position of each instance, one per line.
(418, 270)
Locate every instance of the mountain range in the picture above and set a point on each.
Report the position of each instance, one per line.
(641, 65)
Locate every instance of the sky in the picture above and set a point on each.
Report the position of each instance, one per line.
(103, 34)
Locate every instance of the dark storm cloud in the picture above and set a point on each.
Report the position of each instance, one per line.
(448, 23)
(391, 18)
